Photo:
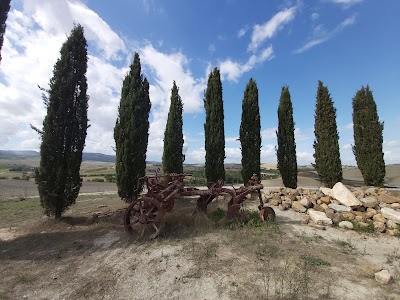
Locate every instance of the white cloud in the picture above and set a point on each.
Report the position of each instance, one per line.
(233, 70)
(321, 36)
(269, 133)
(300, 136)
(231, 139)
(314, 16)
(345, 3)
(164, 68)
(242, 32)
(265, 31)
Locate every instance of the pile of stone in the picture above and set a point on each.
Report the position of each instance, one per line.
(364, 206)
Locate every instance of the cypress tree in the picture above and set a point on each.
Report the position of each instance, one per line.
(64, 128)
(286, 151)
(326, 144)
(173, 157)
(4, 9)
(131, 132)
(250, 137)
(368, 138)
(214, 128)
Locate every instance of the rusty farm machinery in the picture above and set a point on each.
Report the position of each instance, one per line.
(149, 209)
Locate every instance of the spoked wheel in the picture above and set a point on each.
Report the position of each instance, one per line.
(267, 214)
(143, 219)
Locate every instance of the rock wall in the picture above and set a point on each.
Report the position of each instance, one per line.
(370, 207)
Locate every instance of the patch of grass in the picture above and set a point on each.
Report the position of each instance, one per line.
(217, 215)
(363, 229)
(315, 261)
(345, 244)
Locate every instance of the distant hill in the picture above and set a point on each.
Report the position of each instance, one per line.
(12, 154)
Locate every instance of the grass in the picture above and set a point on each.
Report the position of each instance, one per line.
(315, 261)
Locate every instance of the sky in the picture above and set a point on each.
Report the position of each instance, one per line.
(346, 44)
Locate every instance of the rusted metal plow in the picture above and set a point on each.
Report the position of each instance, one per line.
(148, 210)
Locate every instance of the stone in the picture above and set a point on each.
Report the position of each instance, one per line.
(316, 226)
(344, 196)
(370, 191)
(330, 213)
(379, 226)
(292, 197)
(391, 224)
(393, 232)
(379, 218)
(369, 269)
(274, 202)
(369, 202)
(363, 224)
(369, 214)
(305, 219)
(318, 208)
(382, 204)
(305, 202)
(386, 198)
(286, 205)
(337, 217)
(319, 217)
(325, 199)
(348, 216)
(391, 214)
(383, 277)
(324, 206)
(346, 225)
(359, 218)
(395, 205)
(359, 193)
(360, 209)
(339, 208)
(296, 206)
(326, 191)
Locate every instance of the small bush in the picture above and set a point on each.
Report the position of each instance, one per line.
(3, 177)
(315, 261)
(96, 180)
(16, 178)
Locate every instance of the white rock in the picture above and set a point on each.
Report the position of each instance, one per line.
(370, 190)
(305, 202)
(345, 196)
(326, 191)
(386, 198)
(340, 208)
(391, 214)
(346, 225)
(369, 202)
(383, 277)
(391, 224)
(319, 217)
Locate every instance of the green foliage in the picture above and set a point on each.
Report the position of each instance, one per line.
(4, 9)
(250, 137)
(326, 144)
(110, 178)
(64, 127)
(172, 159)
(214, 128)
(286, 151)
(131, 131)
(368, 138)
(315, 261)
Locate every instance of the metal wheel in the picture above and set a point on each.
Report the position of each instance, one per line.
(143, 219)
(267, 214)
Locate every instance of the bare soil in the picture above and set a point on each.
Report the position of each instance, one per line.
(194, 258)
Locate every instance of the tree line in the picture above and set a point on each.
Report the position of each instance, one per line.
(65, 127)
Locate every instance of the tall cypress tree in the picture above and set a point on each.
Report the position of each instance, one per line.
(368, 138)
(173, 157)
(326, 144)
(4, 9)
(64, 127)
(131, 131)
(214, 128)
(286, 151)
(250, 137)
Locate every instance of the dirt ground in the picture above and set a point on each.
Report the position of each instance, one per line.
(194, 258)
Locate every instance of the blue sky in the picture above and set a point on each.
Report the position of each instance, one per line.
(344, 43)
